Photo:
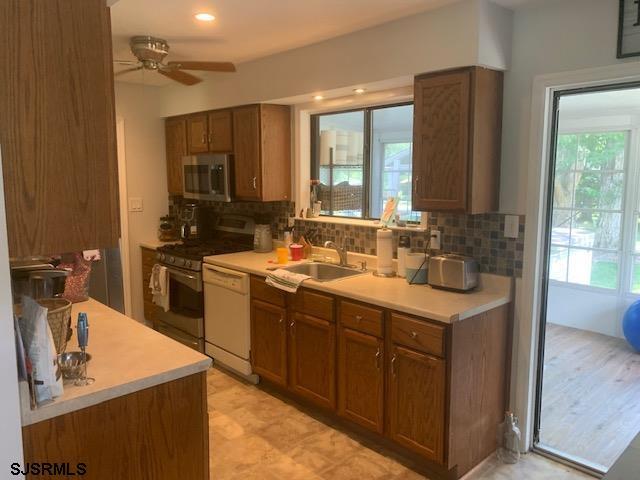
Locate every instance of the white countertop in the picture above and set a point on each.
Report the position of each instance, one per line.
(153, 244)
(126, 357)
(392, 293)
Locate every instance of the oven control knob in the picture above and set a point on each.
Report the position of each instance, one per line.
(162, 256)
(172, 259)
(182, 261)
(188, 264)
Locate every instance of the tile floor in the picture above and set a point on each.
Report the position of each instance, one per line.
(254, 435)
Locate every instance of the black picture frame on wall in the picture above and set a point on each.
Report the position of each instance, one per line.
(628, 29)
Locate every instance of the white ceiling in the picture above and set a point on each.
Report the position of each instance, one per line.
(249, 29)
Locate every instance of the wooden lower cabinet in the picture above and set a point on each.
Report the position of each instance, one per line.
(434, 391)
(161, 432)
(312, 350)
(361, 379)
(416, 403)
(269, 341)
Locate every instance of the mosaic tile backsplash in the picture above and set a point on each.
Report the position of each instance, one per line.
(277, 213)
(478, 236)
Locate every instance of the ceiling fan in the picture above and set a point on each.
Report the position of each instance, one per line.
(150, 52)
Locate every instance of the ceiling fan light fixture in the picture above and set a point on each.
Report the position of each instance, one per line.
(204, 17)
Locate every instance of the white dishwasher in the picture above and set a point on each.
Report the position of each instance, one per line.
(227, 319)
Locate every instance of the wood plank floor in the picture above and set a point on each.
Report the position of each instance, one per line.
(590, 394)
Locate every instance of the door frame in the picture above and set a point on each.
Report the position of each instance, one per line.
(124, 217)
(529, 291)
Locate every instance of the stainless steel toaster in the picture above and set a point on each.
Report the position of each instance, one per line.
(454, 272)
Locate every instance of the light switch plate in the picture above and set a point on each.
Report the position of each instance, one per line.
(291, 222)
(511, 226)
(135, 204)
(434, 235)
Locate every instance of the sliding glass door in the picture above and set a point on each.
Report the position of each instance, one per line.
(589, 376)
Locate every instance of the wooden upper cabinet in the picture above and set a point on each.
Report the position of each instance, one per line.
(457, 131)
(176, 145)
(220, 135)
(416, 405)
(312, 349)
(57, 126)
(361, 379)
(269, 341)
(262, 150)
(246, 141)
(197, 133)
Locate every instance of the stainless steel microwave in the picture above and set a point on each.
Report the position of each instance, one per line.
(207, 177)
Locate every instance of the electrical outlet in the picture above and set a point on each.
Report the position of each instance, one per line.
(511, 226)
(135, 204)
(435, 240)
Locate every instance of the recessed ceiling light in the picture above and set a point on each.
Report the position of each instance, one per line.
(359, 91)
(205, 17)
(318, 97)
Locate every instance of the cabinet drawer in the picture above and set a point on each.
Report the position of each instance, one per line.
(148, 257)
(267, 293)
(361, 318)
(315, 304)
(420, 335)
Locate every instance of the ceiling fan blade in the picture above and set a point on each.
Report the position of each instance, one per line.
(205, 66)
(180, 76)
(126, 62)
(127, 70)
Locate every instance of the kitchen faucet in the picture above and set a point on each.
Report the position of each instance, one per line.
(342, 252)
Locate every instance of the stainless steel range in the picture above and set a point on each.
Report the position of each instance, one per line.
(184, 321)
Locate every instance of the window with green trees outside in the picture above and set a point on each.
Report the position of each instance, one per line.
(588, 210)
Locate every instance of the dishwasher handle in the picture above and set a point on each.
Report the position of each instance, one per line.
(226, 278)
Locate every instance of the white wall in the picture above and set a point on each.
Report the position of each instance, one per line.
(585, 309)
(548, 37)
(138, 105)
(434, 40)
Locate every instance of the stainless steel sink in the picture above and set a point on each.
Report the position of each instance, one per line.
(324, 272)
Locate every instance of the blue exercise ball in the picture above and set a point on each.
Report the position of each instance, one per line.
(631, 325)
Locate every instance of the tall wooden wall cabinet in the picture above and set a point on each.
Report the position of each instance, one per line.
(57, 126)
(456, 146)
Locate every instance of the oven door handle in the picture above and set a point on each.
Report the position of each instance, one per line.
(192, 281)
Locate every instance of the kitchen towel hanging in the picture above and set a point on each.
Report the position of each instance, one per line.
(285, 280)
(159, 286)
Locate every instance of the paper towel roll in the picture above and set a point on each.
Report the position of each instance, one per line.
(384, 248)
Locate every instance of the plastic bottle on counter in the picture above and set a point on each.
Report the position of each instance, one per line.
(288, 240)
(404, 247)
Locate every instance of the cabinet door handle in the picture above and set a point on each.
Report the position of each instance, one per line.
(378, 355)
(204, 138)
(413, 334)
(415, 183)
(210, 136)
(281, 320)
(293, 327)
(254, 183)
(393, 365)
(358, 318)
